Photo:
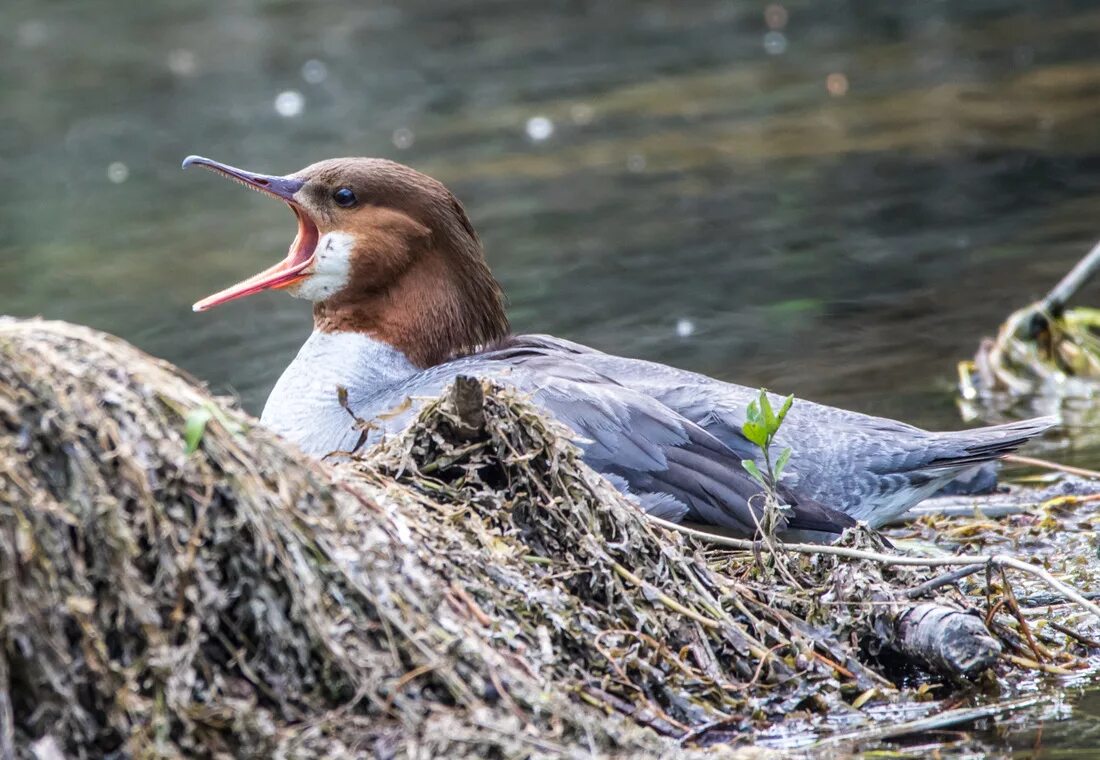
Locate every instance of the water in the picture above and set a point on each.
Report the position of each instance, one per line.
(835, 199)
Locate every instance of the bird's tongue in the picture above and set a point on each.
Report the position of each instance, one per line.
(294, 268)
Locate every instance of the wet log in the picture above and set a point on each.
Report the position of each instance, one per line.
(928, 634)
(941, 638)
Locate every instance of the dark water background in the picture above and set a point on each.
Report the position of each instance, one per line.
(835, 199)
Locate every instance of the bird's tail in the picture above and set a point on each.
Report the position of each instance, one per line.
(963, 448)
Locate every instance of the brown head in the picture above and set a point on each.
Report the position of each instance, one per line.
(381, 249)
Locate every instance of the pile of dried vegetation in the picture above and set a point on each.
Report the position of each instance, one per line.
(469, 589)
(1043, 356)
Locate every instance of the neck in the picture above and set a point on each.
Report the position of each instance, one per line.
(444, 304)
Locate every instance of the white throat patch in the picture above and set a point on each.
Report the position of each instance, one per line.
(331, 268)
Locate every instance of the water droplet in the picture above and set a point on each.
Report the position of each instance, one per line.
(118, 172)
(539, 128)
(685, 328)
(836, 84)
(775, 16)
(582, 113)
(314, 71)
(403, 138)
(775, 43)
(182, 62)
(635, 163)
(289, 103)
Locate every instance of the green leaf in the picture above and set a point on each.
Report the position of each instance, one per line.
(769, 416)
(194, 426)
(752, 413)
(784, 409)
(754, 471)
(756, 433)
(781, 462)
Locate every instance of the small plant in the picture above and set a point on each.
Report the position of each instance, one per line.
(194, 426)
(762, 423)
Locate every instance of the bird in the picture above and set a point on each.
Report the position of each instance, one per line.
(404, 303)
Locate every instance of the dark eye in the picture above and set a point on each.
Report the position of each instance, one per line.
(344, 197)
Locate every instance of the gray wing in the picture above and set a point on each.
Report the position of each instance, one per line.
(673, 466)
(872, 468)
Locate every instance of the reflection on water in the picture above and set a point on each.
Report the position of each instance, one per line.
(836, 199)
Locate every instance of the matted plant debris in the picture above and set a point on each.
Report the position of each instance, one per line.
(1042, 355)
(469, 589)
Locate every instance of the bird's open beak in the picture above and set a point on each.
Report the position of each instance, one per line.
(299, 261)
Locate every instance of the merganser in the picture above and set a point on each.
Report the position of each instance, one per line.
(404, 302)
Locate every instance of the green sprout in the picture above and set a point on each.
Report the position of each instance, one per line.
(194, 426)
(761, 425)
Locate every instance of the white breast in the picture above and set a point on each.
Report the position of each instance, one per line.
(304, 405)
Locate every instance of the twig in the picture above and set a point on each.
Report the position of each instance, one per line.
(599, 698)
(1089, 642)
(1026, 662)
(894, 559)
(1048, 465)
(471, 605)
(1056, 300)
(834, 665)
(662, 597)
(645, 638)
(794, 624)
(697, 732)
(1014, 608)
(931, 723)
(992, 611)
(1049, 600)
(1070, 500)
(943, 580)
(405, 680)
